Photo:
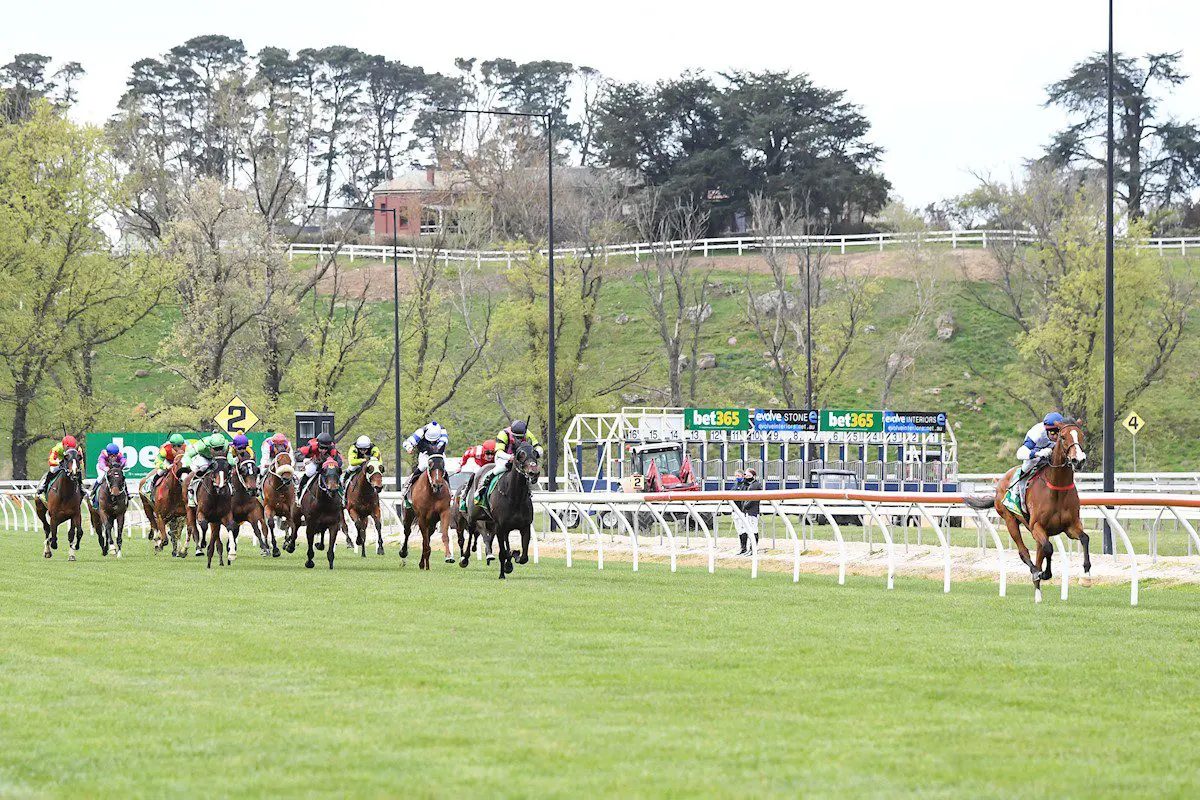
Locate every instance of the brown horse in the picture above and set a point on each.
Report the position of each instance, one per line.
(112, 501)
(321, 510)
(468, 532)
(246, 507)
(214, 506)
(64, 499)
(279, 495)
(362, 503)
(430, 507)
(166, 509)
(1052, 502)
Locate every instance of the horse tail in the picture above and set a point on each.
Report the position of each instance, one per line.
(980, 500)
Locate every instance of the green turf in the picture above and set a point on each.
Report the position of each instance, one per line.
(152, 676)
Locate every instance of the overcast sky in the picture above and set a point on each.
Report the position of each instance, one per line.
(950, 87)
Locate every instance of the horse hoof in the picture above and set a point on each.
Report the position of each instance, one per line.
(47, 554)
(118, 554)
(275, 552)
(319, 545)
(404, 552)
(490, 559)
(524, 559)
(1037, 595)
(309, 564)
(379, 550)
(449, 559)
(71, 557)
(501, 575)
(463, 563)
(508, 567)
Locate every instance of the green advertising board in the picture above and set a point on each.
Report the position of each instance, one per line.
(716, 419)
(851, 421)
(141, 449)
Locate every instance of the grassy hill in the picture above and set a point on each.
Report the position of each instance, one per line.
(958, 376)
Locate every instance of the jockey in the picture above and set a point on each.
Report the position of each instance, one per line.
(271, 448)
(110, 454)
(364, 450)
(509, 439)
(479, 456)
(241, 444)
(1033, 452)
(167, 452)
(198, 458)
(56, 453)
(428, 440)
(314, 455)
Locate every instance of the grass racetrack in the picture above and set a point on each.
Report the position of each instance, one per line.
(152, 676)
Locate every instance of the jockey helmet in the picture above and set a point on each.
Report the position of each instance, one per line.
(490, 446)
(112, 449)
(216, 440)
(324, 440)
(363, 443)
(1052, 421)
(241, 442)
(433, 432)
(519, 429)
(69, 442)
(177, 440)
(312, 444)
(279, 438)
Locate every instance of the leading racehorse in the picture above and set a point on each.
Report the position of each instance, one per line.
(64, 498)
(321, 510)
(1052, 503)
(362, 503)
(112, 501)
(430, 507)
(214, 505)
(509, 507)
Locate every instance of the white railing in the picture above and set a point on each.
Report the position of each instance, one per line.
(1185, 482)
(728, 245)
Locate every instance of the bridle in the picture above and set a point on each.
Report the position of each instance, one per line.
(370, 470)
(526, 457)
(220, 467)
(1068, 461)
(114, 472)
(245, 468)
(437, 466)
(329, 470)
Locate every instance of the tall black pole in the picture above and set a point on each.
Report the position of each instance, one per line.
(808, 402)
(396, 340)
(551, 390)
(1109, 403)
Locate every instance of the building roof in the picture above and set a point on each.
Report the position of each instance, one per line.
(454, 180)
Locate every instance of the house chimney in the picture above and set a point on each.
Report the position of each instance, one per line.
(430, 171)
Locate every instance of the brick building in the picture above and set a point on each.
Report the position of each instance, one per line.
(423, 200)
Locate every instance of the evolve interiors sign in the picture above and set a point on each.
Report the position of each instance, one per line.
(871, 421)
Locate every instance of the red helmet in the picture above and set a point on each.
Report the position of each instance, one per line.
(69, 442)
(489, 446)
(312, 444)
(279, 438)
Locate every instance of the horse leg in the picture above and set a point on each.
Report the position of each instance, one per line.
(310, 533)
(524, 559)
(444, 523)
(1046, 548)
(333, 532)
(120, 534)
(426, 546)
(102, 535)
(377, 517)
(1014, 531)
(214, 536)
(505, 555)
(406, 521)
(233, 537)
(1076, 531)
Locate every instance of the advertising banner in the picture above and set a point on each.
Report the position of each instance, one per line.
(141, 449)
(716, 419)
(914, 421)
(851, 421)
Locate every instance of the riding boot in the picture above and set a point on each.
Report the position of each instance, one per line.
(745, 542)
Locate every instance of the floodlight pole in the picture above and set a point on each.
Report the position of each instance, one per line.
(1109, 463)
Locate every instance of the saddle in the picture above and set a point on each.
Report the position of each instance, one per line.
(1014, 498)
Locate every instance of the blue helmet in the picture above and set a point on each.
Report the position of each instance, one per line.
(112, 449)
(1052, 420)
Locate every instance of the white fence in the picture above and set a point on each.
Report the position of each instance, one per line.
(731, 245)
(672, 516)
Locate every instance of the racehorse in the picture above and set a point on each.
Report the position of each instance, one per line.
(430, 507)
(362, 503)
(279, 495)
(468, 532)
(1052, 503)
(64, 498)
(166, 510)
(509, 507)
(214, 506)
(245, 505)
(112, 500)
(321, 510)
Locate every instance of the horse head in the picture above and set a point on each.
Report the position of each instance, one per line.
(331, 477)
(284, 464)
(73, 463)
(1068, 447)
(526, 459)
(115, 478)
(220, 474)
(438, 482)
(247, 472)
(374, 472)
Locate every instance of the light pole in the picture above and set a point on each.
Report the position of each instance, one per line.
(1110, 410)
(552, 395)
(395, 320)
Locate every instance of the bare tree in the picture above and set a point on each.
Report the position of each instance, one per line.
(675, 284)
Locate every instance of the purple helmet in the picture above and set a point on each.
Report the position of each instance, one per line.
(241, 442)
(112, 449)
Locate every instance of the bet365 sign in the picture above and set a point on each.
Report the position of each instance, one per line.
(852, 421)
(716, 419)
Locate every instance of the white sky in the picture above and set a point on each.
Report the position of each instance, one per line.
(950, 86)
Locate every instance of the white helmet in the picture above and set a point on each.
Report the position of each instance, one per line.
(363, 443)
(433, 432)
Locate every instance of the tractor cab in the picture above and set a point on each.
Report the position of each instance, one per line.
(659, 467)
